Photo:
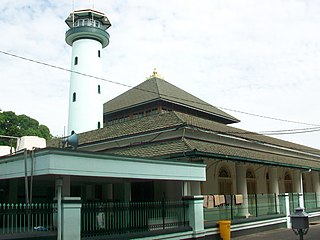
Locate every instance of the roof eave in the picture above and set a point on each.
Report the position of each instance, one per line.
(195, 153)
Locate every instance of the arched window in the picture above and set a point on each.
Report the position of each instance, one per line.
(99, 54)
(99, 89)
(99, 125)
(224, 172)
(251, 182)
(74, 97)
(249, 174)
(224, 180)
(76, 61)
(287, 182)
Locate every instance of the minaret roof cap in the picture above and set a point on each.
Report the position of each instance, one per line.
(85, 13)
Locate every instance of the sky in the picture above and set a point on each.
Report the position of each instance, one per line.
(245, 57)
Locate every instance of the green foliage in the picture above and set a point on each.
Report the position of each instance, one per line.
(20, 125)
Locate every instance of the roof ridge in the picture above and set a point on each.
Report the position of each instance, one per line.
(186, 142)
(157, 86)
(179, 117)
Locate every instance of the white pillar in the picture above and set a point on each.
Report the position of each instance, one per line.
(71, 220)
(241, 182)
(301, 202)
(274, 185)
(287, 207)
(186, 189)
(196, 219)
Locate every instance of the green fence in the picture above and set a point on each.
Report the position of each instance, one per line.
(110, 218)
(311, 201)
(20, 218)
(258, 205)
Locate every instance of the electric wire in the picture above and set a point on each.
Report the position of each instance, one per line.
(273, 132)
(174, 97)
(278, 132)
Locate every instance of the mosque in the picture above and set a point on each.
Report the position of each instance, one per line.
(153, 142)
(159, 120)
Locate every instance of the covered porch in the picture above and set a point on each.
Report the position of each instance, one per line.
(95, 181)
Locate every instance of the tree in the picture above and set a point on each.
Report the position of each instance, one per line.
(20, 125)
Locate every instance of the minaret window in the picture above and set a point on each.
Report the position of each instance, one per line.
(99, 89)
(99, 54)
(74, 97)
(76, 61)
(97, 24)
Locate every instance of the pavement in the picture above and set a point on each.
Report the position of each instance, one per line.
(283, 234)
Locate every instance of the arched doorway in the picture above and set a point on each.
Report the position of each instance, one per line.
(287, 182)
(251, 182)
(225, 181)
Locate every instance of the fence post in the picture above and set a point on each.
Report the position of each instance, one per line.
(196, 219)
(163, 205)
(71, 218)
(256, 200)
(231, 206)
(287, 207)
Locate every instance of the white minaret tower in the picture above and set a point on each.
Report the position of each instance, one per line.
(87, 36)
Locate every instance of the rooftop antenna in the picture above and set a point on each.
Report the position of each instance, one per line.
(73, 13)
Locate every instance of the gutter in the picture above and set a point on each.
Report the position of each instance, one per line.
(195, 153)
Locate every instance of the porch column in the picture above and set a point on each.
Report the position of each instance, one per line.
(186, 189)
(241, 182)
(316, 186)
(274, 185)
(196, 219)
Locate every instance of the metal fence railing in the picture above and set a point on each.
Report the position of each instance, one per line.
(98, 219)
(252, 205)
(20, 218)
(311, 201)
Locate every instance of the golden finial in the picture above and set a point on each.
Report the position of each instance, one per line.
(155, 74)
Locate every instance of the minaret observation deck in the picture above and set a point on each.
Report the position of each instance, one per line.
(88, 24)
